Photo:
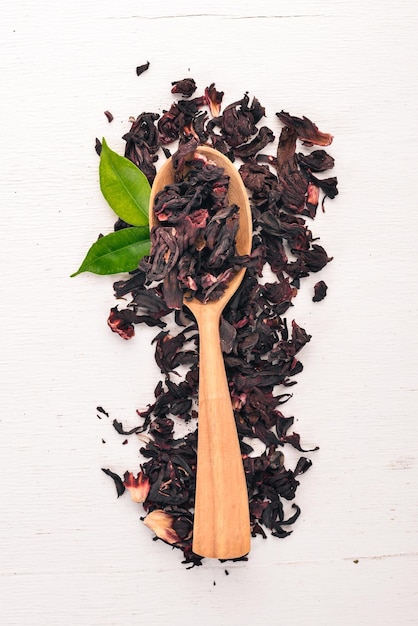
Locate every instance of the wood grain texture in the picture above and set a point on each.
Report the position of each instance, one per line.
(71, 553)
(221, 518)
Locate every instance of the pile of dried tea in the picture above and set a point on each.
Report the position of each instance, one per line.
(193, 249)
(260, 346)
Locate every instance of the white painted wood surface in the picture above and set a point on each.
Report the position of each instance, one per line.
(70, 553)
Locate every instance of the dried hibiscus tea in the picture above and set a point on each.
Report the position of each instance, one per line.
(320, 291)
(138, 487)
(142, 68)
(186, 86)
(306, 130)
(193, 255)
(193, 245)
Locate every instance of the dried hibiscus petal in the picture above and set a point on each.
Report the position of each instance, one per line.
(239, 120)
(328, 185)
(315, 259)
(121, 322)
(213, 99)
(316, 161)
(120, 487)
(142, 68)
(138, 487)
(312, 199)
(320, 291)
(307, 131)
(162, 525)
(186, 86)
(250, 149)
(142, 144)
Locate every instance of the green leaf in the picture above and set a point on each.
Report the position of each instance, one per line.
(124, 186)
(117, 252)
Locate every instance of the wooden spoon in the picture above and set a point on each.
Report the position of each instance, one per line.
(221, 517)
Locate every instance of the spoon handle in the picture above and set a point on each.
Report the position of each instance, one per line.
(221, 519)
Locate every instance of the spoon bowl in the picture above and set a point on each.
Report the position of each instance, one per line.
(221, 517)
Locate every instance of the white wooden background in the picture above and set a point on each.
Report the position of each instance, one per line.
(71, 553)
